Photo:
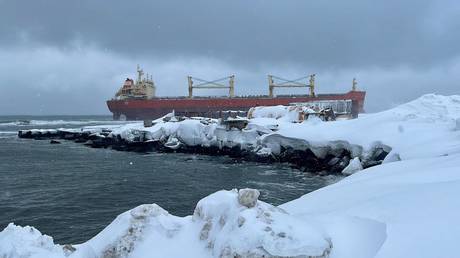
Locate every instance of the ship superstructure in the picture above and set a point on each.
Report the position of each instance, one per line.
(143, 88)
(137, 100)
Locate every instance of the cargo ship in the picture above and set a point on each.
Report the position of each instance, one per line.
(137, 100)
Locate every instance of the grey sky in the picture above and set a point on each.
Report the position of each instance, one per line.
(68, 57)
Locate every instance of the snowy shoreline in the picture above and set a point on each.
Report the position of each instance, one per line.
(255, 139)
(407, 205)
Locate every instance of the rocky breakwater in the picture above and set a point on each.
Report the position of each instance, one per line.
(251, 142)
(321, 157)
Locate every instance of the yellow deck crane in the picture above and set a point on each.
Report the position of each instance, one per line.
(278, 82)
(216, 84)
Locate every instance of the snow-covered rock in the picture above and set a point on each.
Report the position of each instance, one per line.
(231, 229)
(353, 167)
(173, 143)
(24, 242)
(392, 157)
(248, 197)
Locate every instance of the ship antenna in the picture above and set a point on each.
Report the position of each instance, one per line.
(140, 72)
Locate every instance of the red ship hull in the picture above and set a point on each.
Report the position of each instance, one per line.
(139, 109)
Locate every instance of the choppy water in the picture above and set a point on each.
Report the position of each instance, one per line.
(72, 192)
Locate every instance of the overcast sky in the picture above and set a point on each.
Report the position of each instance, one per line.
(68, 57)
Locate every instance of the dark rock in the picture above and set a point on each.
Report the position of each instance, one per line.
(80, 140)
(55, 142)
(371, 163)
(323, 173)
(376, 156)
(334, 161)
(329, 160)
(69, 136)
(380, 154)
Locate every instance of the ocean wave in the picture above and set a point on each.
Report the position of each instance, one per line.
(57, 122)
(8, 132)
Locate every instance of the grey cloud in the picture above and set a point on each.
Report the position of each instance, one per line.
(329, 34)
(77, 52)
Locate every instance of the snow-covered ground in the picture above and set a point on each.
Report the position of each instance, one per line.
(406, 207)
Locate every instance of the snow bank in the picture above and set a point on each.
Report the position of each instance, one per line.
(415, 200)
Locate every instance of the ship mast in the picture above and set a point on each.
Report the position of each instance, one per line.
(140, 73)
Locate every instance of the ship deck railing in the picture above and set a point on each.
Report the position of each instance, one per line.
(251, 96)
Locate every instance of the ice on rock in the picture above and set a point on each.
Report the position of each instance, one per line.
(144, 211)
(192, 132)
(353, 167)
(231, 229)
(24, 242)
(392, 157)
(248, 197)
(261, 130)
(375, 154)
(264, 152)
(234, 138)
(276, 141)
(126, 233)
(173, 143)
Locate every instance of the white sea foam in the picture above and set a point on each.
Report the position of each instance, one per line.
(58, 122)
(7, 134)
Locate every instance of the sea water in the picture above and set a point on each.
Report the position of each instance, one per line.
(71, 192)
